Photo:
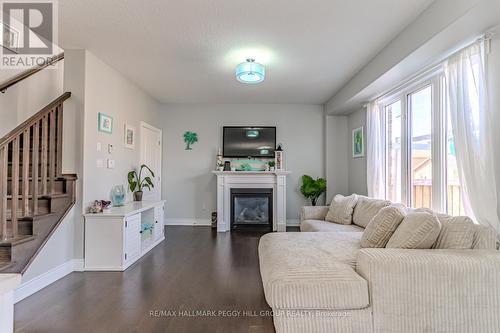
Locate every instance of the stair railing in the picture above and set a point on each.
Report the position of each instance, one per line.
(40, 161)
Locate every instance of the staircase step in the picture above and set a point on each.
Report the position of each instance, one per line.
(17, 241)
(5, 264)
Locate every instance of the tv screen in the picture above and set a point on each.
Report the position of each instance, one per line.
(249, 141)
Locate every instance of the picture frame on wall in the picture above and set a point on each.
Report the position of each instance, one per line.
(358, 143)
(105, 123)
(129, 136)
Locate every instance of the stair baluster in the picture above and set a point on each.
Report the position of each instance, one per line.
(14, 185)
(26, 171)
(3, 191)
(45, 141)
(35, 172)
(52, 149)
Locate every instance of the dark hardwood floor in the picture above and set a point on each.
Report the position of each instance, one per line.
(195, 269)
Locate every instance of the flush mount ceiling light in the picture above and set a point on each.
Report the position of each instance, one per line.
(250, 72)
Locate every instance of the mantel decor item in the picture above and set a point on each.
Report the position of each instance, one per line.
(190, 138)
(227, 166)
(358, 143)
(278, 157)
(312, 189)
(136, 183)
(272, 165)
(129, 136)
(118, 195)
(105, 123)
(219, 165)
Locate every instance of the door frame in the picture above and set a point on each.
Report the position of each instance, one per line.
(144, 125)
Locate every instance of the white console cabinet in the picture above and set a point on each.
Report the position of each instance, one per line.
(119, 236)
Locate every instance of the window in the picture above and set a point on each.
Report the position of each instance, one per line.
(420, 162)
(420, 108)
(393, 151)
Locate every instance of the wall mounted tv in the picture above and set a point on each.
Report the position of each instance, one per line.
(246, 141)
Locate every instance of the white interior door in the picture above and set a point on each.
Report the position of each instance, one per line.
(151, 156)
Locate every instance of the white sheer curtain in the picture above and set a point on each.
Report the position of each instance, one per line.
(375, 151)
(471, 125)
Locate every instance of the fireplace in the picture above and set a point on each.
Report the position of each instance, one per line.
(252, 209)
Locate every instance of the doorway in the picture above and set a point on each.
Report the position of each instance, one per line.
(151, 152)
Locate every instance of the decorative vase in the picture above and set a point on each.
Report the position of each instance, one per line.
(138, 196)
(118, 195)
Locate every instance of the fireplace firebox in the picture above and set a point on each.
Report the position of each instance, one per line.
(252, 209)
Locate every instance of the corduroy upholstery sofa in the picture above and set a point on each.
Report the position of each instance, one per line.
(321, 280)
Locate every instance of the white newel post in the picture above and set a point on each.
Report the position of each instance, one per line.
(226, 180)
(8, 283)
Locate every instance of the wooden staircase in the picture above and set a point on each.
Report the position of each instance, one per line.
(34, 194)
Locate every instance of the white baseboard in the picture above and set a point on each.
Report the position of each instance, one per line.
(30, 287)
(188, 221)
(292, 222)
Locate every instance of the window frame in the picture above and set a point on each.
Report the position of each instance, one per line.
(435, 79)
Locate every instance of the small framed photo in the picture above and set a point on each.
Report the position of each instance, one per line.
(105, 123)
(129, 136)
(358, 143)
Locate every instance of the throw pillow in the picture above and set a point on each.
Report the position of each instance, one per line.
(366, 209)
(457, 232)
(382, 226)
(341, 209)
(416, 231)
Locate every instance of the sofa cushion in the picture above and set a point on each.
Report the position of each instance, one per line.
(485, 238)
(341, 209)
(366, 208)
(416, 231)
(457, 232)
(312, 270)
(321, 225)
(382, 226)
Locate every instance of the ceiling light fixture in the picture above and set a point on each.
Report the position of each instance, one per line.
(250, 72)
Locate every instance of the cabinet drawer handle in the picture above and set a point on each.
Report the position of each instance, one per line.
(140, 232)
(156, 221)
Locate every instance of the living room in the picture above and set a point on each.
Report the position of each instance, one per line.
(326, 166)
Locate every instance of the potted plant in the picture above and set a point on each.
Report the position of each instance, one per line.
(136, 183)
(312, 189)
(272, 165)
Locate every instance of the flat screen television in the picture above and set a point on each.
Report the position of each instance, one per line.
(246, 141)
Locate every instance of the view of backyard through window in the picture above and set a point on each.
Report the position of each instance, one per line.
(409, 152)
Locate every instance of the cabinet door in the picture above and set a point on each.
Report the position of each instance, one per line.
(158, 230)
(132, 237)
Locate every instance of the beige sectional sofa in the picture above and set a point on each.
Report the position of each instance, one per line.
(321, 280)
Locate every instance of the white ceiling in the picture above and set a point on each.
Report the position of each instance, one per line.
(185, 51)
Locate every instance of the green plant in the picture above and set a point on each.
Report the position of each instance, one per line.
(312, 189)
(189, 139)
(271, 164)
(135, 181)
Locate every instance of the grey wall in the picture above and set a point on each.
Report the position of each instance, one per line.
(189, 186)
(336, 151)
(357, 166)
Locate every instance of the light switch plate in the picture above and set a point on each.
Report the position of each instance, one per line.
(111, 164)
(110, 148)
(99, 147)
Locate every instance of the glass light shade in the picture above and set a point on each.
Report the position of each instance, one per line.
(250, 72)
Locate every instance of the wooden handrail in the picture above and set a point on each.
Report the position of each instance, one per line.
(27, 73)
(33, 119)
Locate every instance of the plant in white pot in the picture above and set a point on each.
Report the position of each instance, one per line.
(136, 183)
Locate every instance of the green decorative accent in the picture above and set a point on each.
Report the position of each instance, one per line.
(136, 182)
(246, 167)
(271, 164)
(189, 139)
(358, 149)
(312, 189)
(105, 123)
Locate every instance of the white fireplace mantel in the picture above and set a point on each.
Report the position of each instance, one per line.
(226, 180)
